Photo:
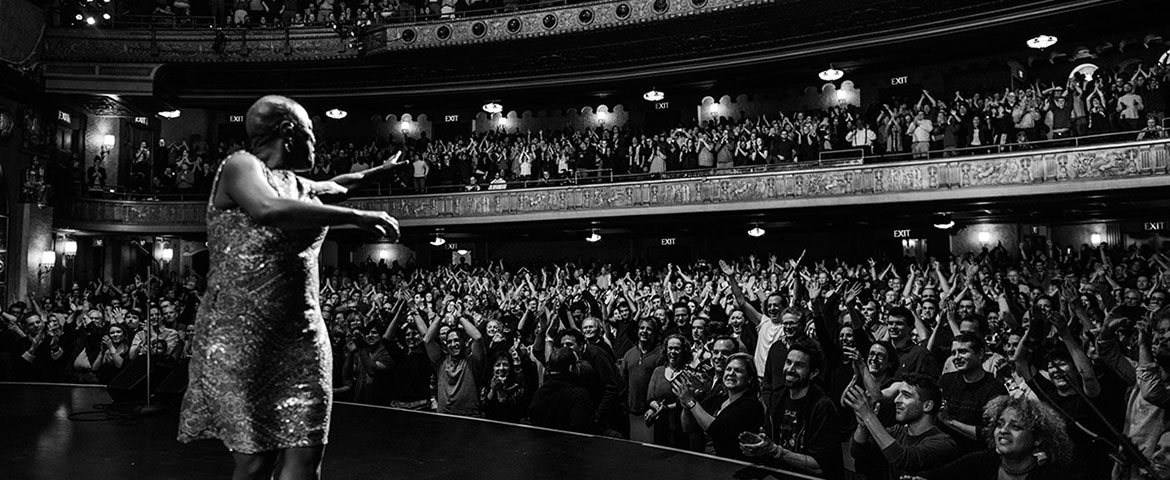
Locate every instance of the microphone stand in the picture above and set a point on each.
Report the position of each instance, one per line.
(149, 408)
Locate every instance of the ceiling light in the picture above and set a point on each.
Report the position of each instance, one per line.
(756, 231)
(593, 237)
(79, 17)
(462, 252)
(1095, 239)
(653, 95)
(90, 21)
(984, 237)
(493, 107)
(831, 75)
(943, 221)
(105, 16)
(438, 241)
(336, 114)
(1040, 42)
(170, 114)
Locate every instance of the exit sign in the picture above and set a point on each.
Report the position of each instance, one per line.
(141, 120)
(64, 117)
(235, 119)
(902, 233)
(451, 118)
(1153, 226)
(668, 241)
(662, 106)
(903, 80)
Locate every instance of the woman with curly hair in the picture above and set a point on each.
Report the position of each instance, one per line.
(1028, 442)
(665, 410)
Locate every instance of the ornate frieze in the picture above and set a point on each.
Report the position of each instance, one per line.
(539, 23)
(1081, 169)
(203, 45)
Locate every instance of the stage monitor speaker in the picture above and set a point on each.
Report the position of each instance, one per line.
(173, 387)
(130, 384)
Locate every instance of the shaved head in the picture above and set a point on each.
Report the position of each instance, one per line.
(281, 126)
(275, 115)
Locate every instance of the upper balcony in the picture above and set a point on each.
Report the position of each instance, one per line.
(547, 45)
(1065, 170)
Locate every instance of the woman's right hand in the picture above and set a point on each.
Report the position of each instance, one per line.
(378, 222)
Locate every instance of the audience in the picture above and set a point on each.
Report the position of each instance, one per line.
(1055, 357)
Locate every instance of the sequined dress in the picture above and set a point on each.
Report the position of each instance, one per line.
(260, 375)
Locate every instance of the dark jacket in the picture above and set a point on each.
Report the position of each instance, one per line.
(561, 404)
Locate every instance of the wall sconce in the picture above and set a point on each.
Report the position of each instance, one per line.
(69, 248)
(48, 261)
(108, 142)
(1095, 239)
(985, 237)
(166, 254)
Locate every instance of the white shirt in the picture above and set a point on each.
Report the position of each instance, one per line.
(769, 333)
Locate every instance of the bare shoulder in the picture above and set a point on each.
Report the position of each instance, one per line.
(239, 169)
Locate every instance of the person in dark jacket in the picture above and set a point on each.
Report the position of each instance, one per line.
(561, 403)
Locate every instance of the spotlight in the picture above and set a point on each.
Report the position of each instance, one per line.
(170, 114)
(756, 231)
(1095, 239)
(336, 114)
(943, 221)
(653, 95)
(831, 75)
(105, 16)
(985, 237)
(90, 21)
(438, 241)
(593, 237)
(1040, 42)
(493, 107)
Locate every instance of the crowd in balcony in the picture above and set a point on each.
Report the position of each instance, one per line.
(1044, 360)
(306, 13)
(1109, 105)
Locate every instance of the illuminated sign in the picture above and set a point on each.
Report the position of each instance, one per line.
(662, 105)
(235, 118)
(451, 118)
(141, 120)
(1153, 226)
(902, 233)
(64, 117)
(668, 241)
(903, 80)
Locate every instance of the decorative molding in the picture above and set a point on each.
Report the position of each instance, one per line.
(539, 23)
(196, 46)
(1096, 168)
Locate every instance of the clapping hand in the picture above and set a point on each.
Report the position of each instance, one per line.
(763, 448)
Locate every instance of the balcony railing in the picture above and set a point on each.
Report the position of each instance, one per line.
(1102, 167)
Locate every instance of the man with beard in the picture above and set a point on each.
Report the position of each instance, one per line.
(966, 391)
(635, 368)
(1149, 393)
(792, 322)
(410, 370)
(913, 445)
(803, 420)
(1070, 371)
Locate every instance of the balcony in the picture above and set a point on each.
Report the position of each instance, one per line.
(1095, 168)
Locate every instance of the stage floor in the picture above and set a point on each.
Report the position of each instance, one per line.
(39, 440)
